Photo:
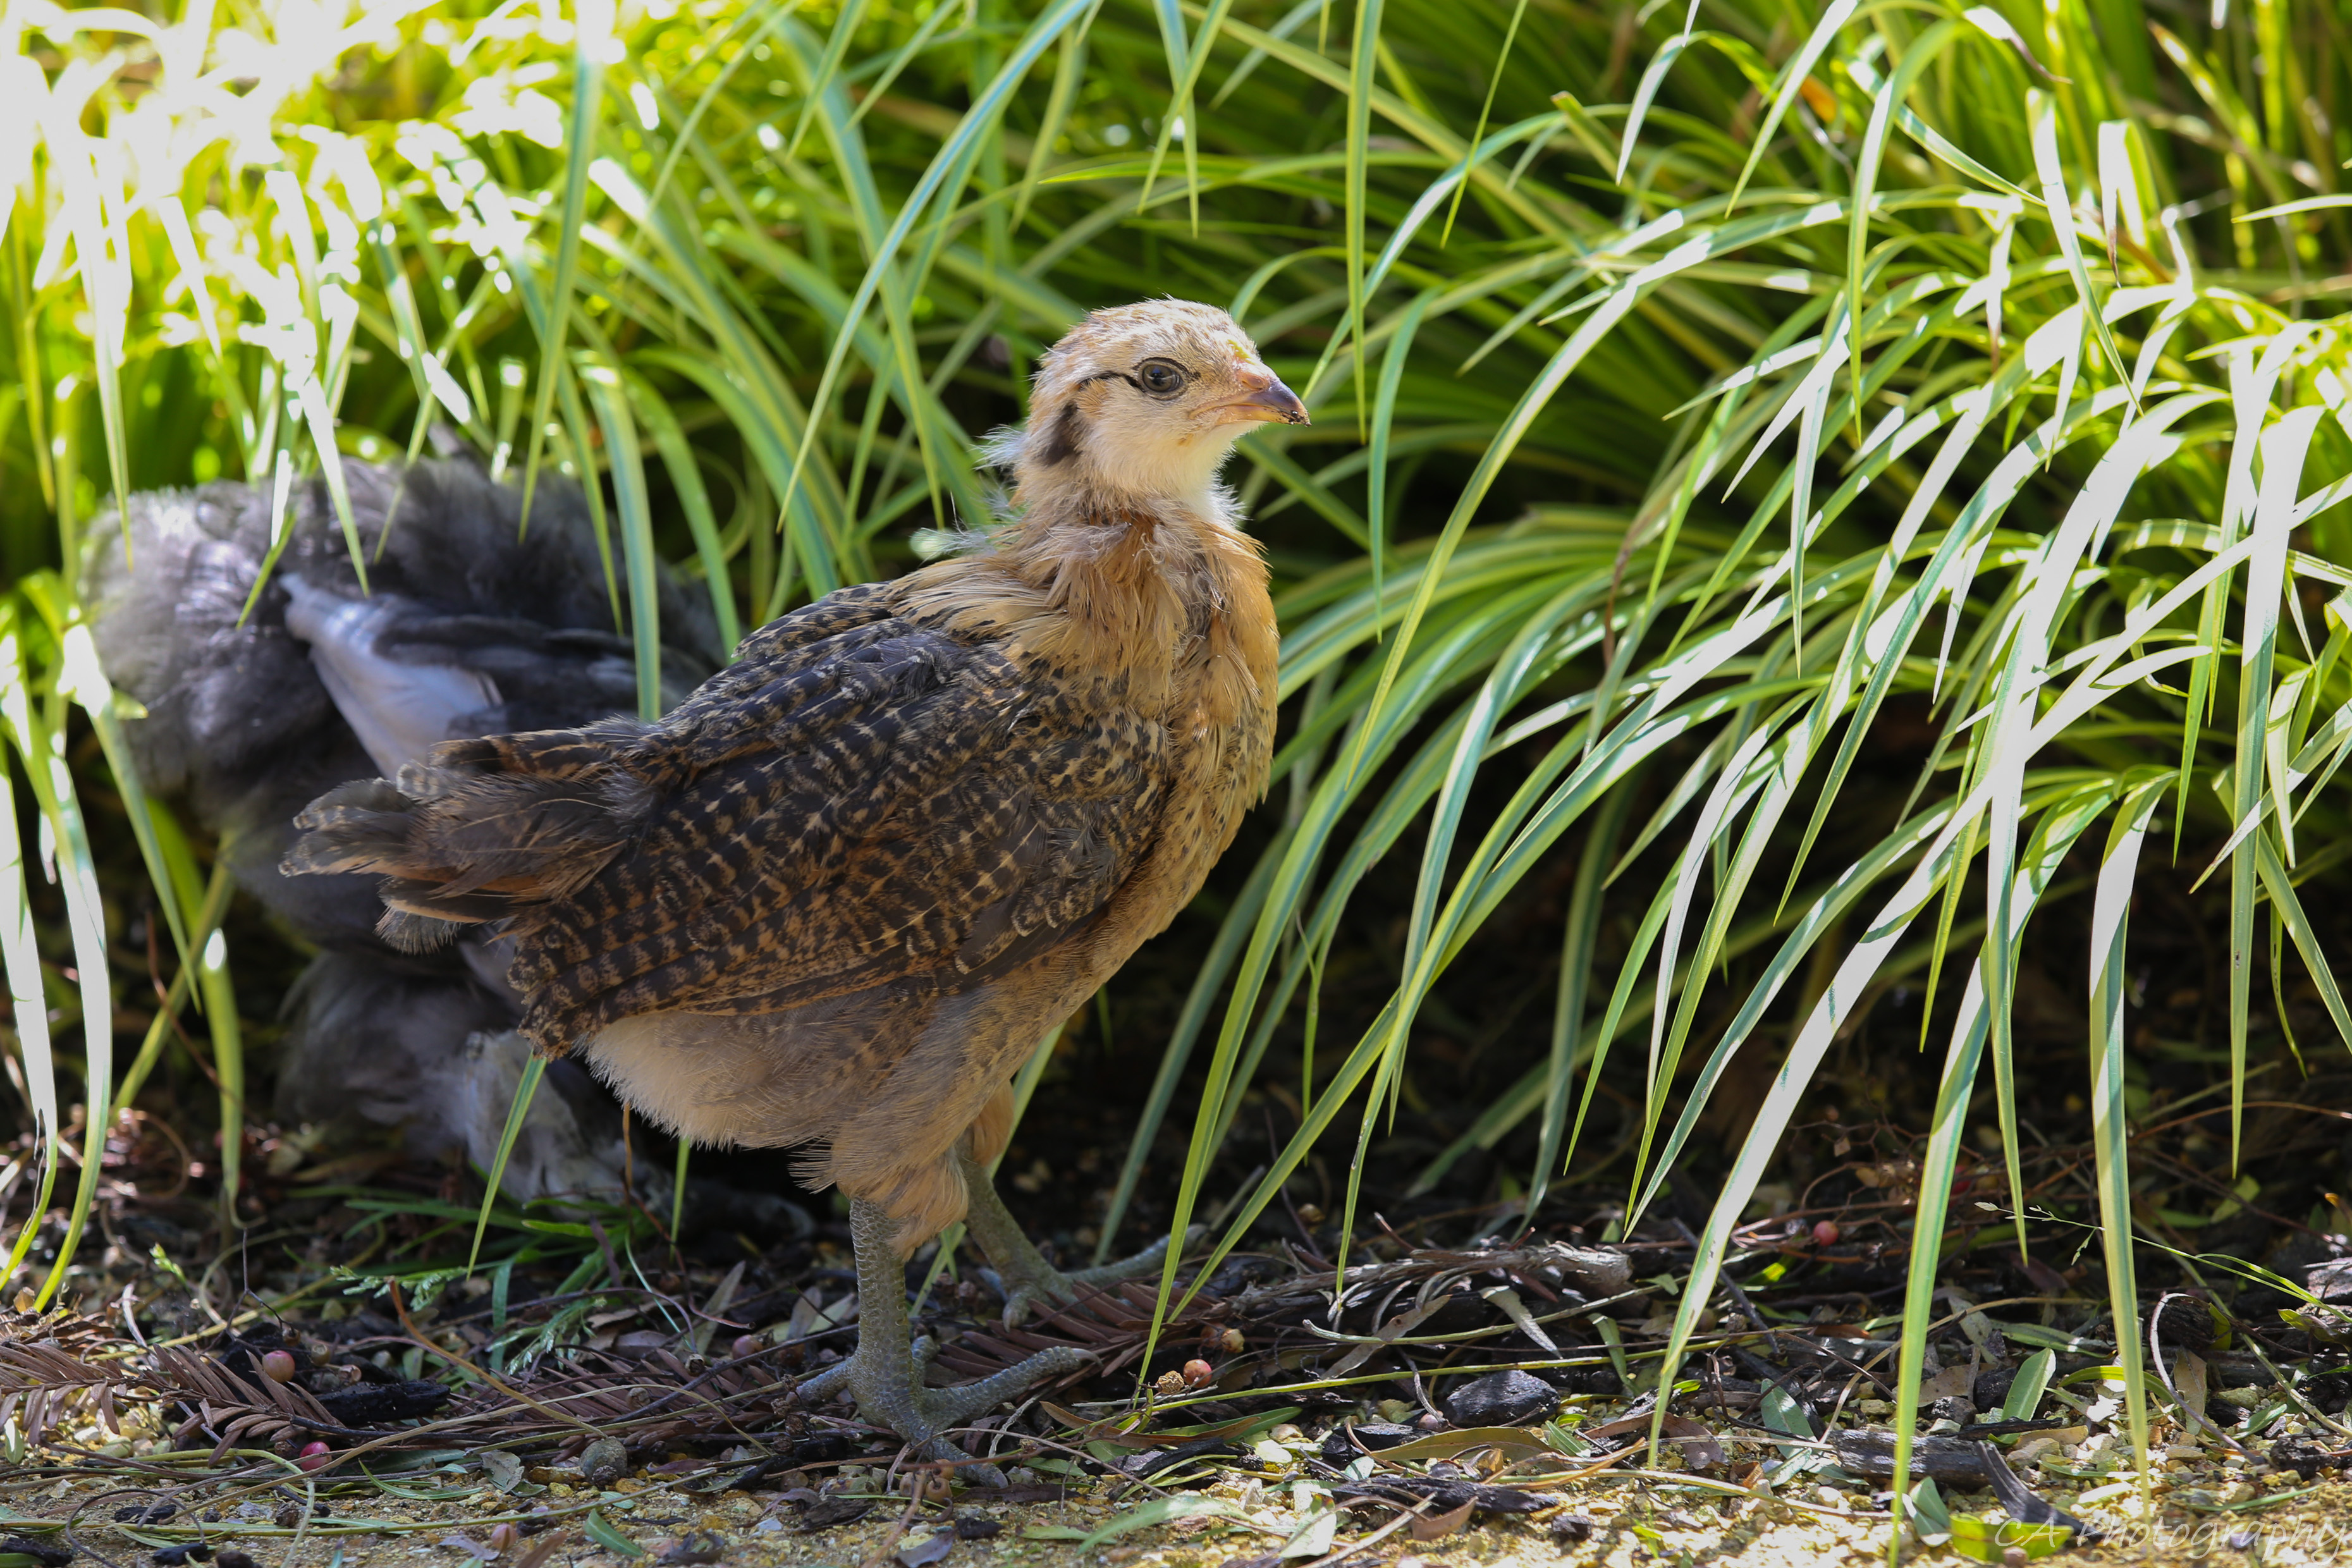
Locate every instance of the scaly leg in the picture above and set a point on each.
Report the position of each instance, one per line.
(1023, 1276)
(884, 1374)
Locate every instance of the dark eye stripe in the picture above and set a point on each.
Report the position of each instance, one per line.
(1132, 380)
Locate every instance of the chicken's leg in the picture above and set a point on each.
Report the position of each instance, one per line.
(1026, 1278)
(884, 1374)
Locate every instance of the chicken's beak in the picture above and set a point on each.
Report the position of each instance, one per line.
(1267, 402)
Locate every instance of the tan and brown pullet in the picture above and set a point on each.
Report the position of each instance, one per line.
(834, 897)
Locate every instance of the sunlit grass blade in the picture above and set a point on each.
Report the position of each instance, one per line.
(628, 476)
(212, 905)
(1231, 932)
(2110, 921)
(2284, 447)
(837, 43)
(2058, 207)
(1916, 57)
(19, 949)
(1788, 88)
(1385, 406)
(1936, 1170)
(494, 1179)
(977, 120)
(1363, 56)
(41, 747)
(694, 499)
(1069, 71)
(580, 151)
(214, 986)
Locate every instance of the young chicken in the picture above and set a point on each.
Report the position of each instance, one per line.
(836, 896)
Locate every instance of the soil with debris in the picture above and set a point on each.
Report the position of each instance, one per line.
(650, 1517)
(1493, 1399)
(449, 1508)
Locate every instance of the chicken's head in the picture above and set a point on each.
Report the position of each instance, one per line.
(1142, 403)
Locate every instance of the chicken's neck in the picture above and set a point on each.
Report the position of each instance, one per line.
(1166, 600)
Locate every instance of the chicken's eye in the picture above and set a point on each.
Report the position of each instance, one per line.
(1160, 378)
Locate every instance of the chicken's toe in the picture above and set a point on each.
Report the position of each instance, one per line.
(1020, 1272)
(884, 1374)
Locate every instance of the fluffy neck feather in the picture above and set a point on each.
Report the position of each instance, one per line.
(1163, 595)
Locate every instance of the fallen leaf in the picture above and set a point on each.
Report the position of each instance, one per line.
(2189, 1381)
(929, 1550)
(1700, 1450)
(1431, 1527)
(2025, 1507)
(1452, 1445)
(1314, 1538)
(601, 1532)
(544, 1548)
(1991, 1540)
(1146, 1437)
(1506, 1298)
(1953, 1380)
(829, 1512)
(1396, 1328)
(699, 1547)
(1159, 1512)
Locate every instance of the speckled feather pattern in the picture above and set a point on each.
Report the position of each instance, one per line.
(837, 894)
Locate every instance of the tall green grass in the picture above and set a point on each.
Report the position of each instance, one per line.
(1775, 362)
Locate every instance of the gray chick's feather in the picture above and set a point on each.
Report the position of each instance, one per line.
(471, 624)
(437, 1057)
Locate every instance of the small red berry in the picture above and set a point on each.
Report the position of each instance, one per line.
(277, 1366)
(746, 1345)
(314, 1457)
(1825, 1233)
(1199, 1375)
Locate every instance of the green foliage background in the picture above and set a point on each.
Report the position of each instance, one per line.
(1704, 379)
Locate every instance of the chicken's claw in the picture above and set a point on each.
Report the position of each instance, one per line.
(1020, 1272)
(885, 1375)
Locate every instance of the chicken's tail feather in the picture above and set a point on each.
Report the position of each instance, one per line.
(542, 753)
(483, 832)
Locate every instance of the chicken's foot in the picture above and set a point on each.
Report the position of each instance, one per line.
(884, 1374)
(1024, 1277)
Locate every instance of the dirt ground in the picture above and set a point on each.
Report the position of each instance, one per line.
(446, 1514)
